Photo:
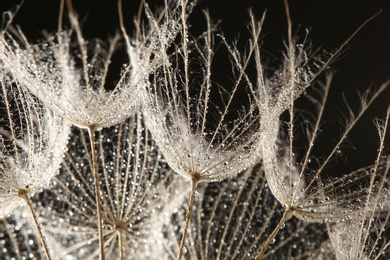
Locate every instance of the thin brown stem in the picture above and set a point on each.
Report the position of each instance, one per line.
(188, 217)
(286, 216)
(121, 248)
(23, 193)
(91, 132)
(121, 24)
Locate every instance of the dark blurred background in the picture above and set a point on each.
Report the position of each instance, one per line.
(363, 64)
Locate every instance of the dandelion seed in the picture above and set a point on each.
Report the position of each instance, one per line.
(50, 71)
(201, 140)
(230, 227)
(311, 194)
(131, 196)
(300, 189)
(33, 141)
(367, 236)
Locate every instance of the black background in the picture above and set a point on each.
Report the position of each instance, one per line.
(364, 63)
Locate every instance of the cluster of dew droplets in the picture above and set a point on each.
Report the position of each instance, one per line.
(304, 192)
(69, 73)
(135, 185)
(18, 239)
(32, 142)
(311, 194)
(367, 236)
(198, 138)
(231, 218)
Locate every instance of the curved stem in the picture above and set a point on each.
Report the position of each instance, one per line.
(91, 132)
(24, 195)
(188, 217)
(286, 216)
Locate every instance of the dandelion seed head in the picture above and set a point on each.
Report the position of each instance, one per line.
(197, 134)
(32, 143)
(230, 221)
(312, 193)
(69, 74)
(135, 186)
